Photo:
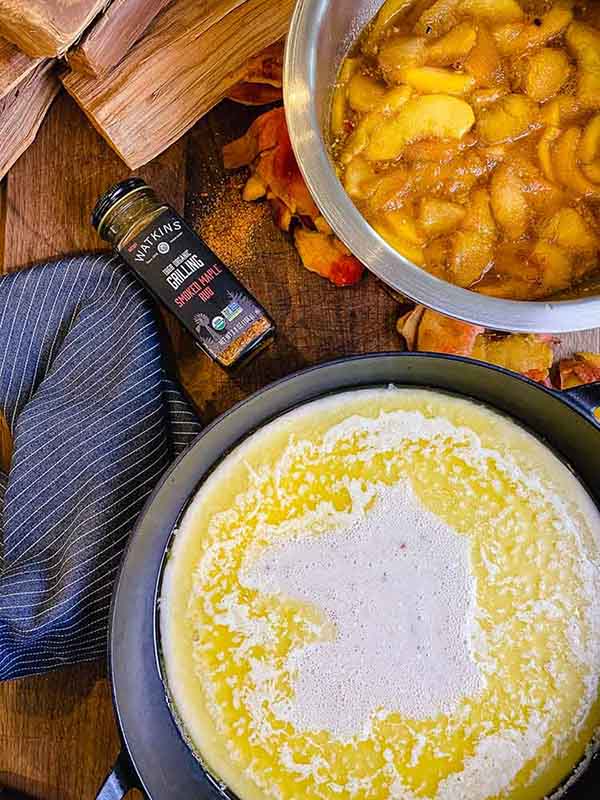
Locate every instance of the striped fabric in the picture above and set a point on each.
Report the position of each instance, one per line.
(95, 422)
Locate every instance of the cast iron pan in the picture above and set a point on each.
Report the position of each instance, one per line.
(155, 758)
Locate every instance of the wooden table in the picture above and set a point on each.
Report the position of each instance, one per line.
(57, 732)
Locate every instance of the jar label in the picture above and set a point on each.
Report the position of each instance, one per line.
(182, 273)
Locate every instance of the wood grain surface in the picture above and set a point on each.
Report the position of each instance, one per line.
(109, 39)
(57, 732)
(46, 27)
(51, 190)
(22, 111)
(14, 66)
(190, 56)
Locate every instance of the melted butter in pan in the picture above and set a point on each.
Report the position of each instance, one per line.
(387, 594)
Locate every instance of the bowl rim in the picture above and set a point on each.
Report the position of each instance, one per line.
(368, 246)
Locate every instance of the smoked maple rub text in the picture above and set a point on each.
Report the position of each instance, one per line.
(183, 274)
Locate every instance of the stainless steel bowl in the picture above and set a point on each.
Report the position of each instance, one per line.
(321, 33)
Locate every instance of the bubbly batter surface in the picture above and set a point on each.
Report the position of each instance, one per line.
(387, 593)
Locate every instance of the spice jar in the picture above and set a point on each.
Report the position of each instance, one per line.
(182, 273)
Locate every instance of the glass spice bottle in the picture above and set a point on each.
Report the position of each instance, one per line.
(182, 273)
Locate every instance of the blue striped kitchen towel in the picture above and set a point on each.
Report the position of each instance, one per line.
(95, 422)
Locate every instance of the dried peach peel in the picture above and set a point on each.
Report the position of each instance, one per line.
(425, 330)
(266, 148)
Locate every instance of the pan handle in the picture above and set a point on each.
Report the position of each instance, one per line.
(587, 397)
(119, 781)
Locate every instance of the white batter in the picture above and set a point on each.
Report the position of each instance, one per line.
(397, 586)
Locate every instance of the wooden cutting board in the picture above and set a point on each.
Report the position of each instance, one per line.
(58, 736)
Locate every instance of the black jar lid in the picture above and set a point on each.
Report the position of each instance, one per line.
(113, 195)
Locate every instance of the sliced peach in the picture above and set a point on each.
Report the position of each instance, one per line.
(584, 42)
(588, 89)
(584, 264)
(569, 230)
(408, 326)
(471, 255)
(438, 217)
(424, 329)
(487, 97)
(464, 174)
(546, 72)
(589, 146)
(436, 257)
(514, 276)
(438, 19)
(555, 21)
(496, 12)
(400, 231)
(509, 203)
(544, 149)
(493, 155)
(484, 62)
(452, 180)
(589, 150)
(394, 99)
(562, 110)
(479, 217)
(439, 151)
(434, 115)
(403, 224)
(390, 11)
(338, 105)
(364, 93)
(436, 150)
(507, 287)
(443, 15)
(360, 137)
(453, 47)
(400, 53)
(516, 38)
(555, 265)
(510, 118)
(435, 80)
(566, 168)
(508, 36)
(390, 189)
(542, 195)
(592, 171)
(338, 111)
(410, 251)
(358, 178)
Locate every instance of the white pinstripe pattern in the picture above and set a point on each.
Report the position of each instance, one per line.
(91, 353)
(72, 503)
(95, 422)
(41, 355)
(61, 554)
(84, 457)
(79, 405)
(75, 396)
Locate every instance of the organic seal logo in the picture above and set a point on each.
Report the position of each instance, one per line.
(218, 323)
(163, 247)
